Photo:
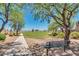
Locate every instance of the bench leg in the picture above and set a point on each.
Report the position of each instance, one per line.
(47, 51)
(64, 48)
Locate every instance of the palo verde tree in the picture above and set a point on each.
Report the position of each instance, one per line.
(61, 13)
(54, 26)
(5, 13)
(17, 22)
(5, 10)
(16, 18)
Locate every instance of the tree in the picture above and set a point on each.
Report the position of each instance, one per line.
(16, 18)
(5, 12)
(5, 9)
(61, 13)
(53, 26)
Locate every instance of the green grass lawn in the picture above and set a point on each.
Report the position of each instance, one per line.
(44, 34)
(36, 34)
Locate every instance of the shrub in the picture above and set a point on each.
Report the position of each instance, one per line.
(2, 37)
(60, 35)
(53, 34)
(75, 35)
(14, 33)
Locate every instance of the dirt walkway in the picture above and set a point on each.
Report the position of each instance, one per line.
(21, 40)
(18, 47)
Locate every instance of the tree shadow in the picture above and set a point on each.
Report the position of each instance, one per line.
(75, 48)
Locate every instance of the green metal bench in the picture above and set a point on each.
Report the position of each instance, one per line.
(53, 44)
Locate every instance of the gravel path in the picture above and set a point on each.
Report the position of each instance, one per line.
(17, 48)
(21, 40)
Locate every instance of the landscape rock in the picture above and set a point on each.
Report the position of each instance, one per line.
(16, 48)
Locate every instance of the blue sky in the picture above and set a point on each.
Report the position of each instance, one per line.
(30, 23)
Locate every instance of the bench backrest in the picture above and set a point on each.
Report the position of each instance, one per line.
(54, 44)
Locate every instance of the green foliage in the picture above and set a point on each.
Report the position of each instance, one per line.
(55, 34)
(2, 8)
(39, 11)
(2, 37)
(72, 23)
(60, 35)
(75, 35)
(11, 12)
(46, 10)
(53, 26)
(16, 17)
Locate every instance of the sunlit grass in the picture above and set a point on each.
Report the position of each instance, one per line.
(36, 34)
(44, 34)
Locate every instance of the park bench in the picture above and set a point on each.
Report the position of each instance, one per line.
(53, 44)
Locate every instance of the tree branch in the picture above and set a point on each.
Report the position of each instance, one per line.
(63, 14)
(52, 15)
(7, 11)
(55, 18)
(75, 8)
(2, 20)
(57, 10)
(70, 14)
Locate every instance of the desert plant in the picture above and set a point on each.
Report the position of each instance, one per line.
(54, 34)
(60, 35)
(75, 35)
(2, 37)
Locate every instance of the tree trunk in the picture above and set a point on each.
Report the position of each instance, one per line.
(6, 16)
(66, 39)
(2, 27)
(17, 32)
(62, 29)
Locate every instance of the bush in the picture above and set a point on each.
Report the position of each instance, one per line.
(15, 34)
(53, 34)
(2, 37)
(75, 35)
(60, 35)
